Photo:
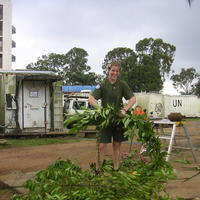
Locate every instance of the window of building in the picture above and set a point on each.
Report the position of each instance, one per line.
(1, 61)
(13, 30)
(1, 44)
(13, 58)
(1, 28)
(13, 44)
(1, 12)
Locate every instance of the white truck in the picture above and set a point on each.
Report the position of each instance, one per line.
(73, 104)
(79, 102)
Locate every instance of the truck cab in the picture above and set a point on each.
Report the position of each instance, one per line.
(71, 105)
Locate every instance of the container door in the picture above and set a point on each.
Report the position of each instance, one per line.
(34, 104)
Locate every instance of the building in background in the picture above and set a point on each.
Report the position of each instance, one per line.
(6, 31)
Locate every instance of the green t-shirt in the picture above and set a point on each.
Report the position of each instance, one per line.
(112, 94)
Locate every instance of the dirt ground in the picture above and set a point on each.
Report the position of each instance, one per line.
(18, 164)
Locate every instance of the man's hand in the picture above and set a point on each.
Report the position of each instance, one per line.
(122, 112)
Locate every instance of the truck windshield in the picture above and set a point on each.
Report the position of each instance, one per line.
(79, 105)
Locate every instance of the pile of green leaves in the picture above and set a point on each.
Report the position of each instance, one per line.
(64, 180)
(136, 179)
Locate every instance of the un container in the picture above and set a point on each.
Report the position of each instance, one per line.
(160, 105)
(152, 102)
(187, 105)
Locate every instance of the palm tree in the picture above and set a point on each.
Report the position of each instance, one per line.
(189, 2)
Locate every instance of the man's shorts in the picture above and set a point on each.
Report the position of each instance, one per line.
(112, 134)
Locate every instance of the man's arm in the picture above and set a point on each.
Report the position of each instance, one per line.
(129, 105)
(93, 102)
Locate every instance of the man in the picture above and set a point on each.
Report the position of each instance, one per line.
(111, 92)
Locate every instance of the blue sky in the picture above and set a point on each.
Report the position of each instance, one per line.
(98, 26)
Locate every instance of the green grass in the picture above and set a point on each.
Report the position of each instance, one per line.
(35, 142)
(3, 191)
(192, 119)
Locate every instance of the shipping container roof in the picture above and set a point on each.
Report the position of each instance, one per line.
(32, 75)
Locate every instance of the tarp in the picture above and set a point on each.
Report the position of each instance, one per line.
(77, 88)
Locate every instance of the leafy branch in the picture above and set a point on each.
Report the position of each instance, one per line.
(136, 180)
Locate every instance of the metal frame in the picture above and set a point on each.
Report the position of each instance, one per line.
(172, 136)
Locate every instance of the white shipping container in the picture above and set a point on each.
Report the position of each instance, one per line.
(152, 102)
(160, 105)
(188, 105)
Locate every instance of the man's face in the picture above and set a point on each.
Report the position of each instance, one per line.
(114, 72)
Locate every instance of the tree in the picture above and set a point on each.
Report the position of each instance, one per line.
(125, 56)
(144, 69)
(72, 66)
(155, 52)
(76, 65)
(50, 62)
(184, 82)
(80, 78)
(77, 60)
(196, 88)
(190, 2)
(146, 79)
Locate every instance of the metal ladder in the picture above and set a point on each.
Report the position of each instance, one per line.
(172, 137)
(186, 136)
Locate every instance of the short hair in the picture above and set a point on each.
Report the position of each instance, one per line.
(114, 63)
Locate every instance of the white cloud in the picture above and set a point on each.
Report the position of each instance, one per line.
(46, 26)
(169, 89)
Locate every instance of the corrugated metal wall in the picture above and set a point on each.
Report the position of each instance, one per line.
(10, 88)
(2, 101)
(58, 105)
(160, 105)
(187, 105)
